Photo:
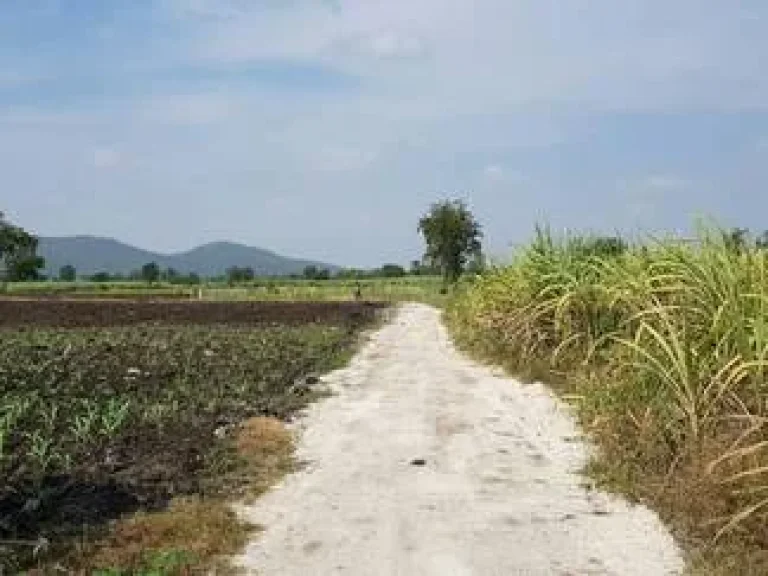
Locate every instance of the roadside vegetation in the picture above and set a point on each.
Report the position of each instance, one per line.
(663, 347)
(154, 425)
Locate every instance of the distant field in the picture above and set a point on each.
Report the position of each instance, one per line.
(68, 313)
(418, 288)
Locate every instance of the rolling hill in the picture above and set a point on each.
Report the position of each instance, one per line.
(90, 254)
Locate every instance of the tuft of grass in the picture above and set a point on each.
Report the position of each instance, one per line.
(195, 534)
(266, 447)
(191, 534)
(664, 348)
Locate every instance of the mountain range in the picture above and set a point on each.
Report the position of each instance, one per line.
(90, 254)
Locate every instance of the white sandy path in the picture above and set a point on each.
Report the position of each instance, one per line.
(500, 493)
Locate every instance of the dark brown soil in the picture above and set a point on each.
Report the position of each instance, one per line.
(66, 313)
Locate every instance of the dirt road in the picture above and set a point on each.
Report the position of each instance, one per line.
(498, 492)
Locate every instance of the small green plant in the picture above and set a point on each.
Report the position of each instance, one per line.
(5, 433)
(167, 562)
(115, 414)
(84, 425)
(156, 563)
(41, 452)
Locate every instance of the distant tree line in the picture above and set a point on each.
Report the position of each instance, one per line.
(389, 270)
(151, 273)
(236, 274)
(417, 268)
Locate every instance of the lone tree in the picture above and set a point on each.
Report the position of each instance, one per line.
(18, 253)
(67, 273)
(452, 236)
(312, 272)
(391, 271)
(236, 274)
(150, 272)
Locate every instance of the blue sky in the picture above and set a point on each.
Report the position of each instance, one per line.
(324, 128)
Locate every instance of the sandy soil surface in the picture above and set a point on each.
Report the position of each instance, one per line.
(425, 463)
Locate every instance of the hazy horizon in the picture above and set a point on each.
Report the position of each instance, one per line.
(323, 129)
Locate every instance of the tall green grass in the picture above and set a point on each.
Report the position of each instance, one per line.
(665, 346)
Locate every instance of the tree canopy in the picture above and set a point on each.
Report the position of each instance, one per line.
(312, 272)
(150, 272)
(452, 236)
(18, 253)
(67, 273)
(237, 274)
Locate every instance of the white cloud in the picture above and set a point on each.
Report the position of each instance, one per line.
(340, 159)
(494, 55)
(497, 174)
(105, 158)
(664, 182)
(652, 186)
(493, 172)
(393, 45)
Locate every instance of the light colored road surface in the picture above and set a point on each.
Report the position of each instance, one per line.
(499, 493)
